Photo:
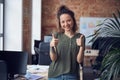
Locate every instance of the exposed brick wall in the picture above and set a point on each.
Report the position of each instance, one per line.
(82, 8)
(27, 18)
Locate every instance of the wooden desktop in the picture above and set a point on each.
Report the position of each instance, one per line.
(40, 72)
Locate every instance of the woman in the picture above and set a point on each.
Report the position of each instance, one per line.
(66, 48)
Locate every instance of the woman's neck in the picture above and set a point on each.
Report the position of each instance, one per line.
(69, 34)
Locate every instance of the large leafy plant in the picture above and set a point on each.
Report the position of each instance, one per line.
(111, 58)
(110, 69)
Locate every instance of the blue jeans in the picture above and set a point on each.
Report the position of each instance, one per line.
(66, 77)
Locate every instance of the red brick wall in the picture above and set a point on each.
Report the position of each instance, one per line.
(27, 18)
(82, 8)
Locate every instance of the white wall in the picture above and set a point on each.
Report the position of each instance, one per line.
(36, 22)
(13, 25)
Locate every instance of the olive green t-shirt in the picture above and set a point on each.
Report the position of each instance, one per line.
(67, 51)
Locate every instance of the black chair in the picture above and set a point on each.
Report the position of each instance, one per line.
(41, 56)
(44, 49)
(36, 49)
(3, 70)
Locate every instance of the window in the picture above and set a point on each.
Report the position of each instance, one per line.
(13, 25)
(36, 22)
(1, 24)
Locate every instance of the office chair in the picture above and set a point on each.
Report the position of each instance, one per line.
(3, 70)
(44, 58)
(36, 49)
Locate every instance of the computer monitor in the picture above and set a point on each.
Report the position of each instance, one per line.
(16, 62)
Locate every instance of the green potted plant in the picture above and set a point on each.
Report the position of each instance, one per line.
(110, 69)
(109, 28)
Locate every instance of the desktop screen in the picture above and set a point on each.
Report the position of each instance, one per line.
(16, 61)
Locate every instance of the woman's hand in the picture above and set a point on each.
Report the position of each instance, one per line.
(54, 41)
(79, 41)
(53, 44)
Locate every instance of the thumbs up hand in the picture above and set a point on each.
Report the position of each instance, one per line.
(54, 41)
(79, 41)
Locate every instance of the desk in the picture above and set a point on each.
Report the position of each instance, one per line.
(36, 70)
(42, 70)
(39, 70)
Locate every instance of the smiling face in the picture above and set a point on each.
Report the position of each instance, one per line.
(66, 22)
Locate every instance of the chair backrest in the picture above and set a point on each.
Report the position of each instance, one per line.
(3, 70)
(36, 46)
(36, 49)
(44, 49)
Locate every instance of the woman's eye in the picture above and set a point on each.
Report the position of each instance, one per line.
(62, 21)
(69, 20)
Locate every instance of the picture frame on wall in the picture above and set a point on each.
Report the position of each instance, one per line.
(88, 26)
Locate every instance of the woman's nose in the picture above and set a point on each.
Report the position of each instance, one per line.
(66, 23)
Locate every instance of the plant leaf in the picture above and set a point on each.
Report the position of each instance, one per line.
(117, 20)
(118, 13)
(111, 63)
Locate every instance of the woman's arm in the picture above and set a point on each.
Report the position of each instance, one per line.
(81, 43)
(53, 51)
